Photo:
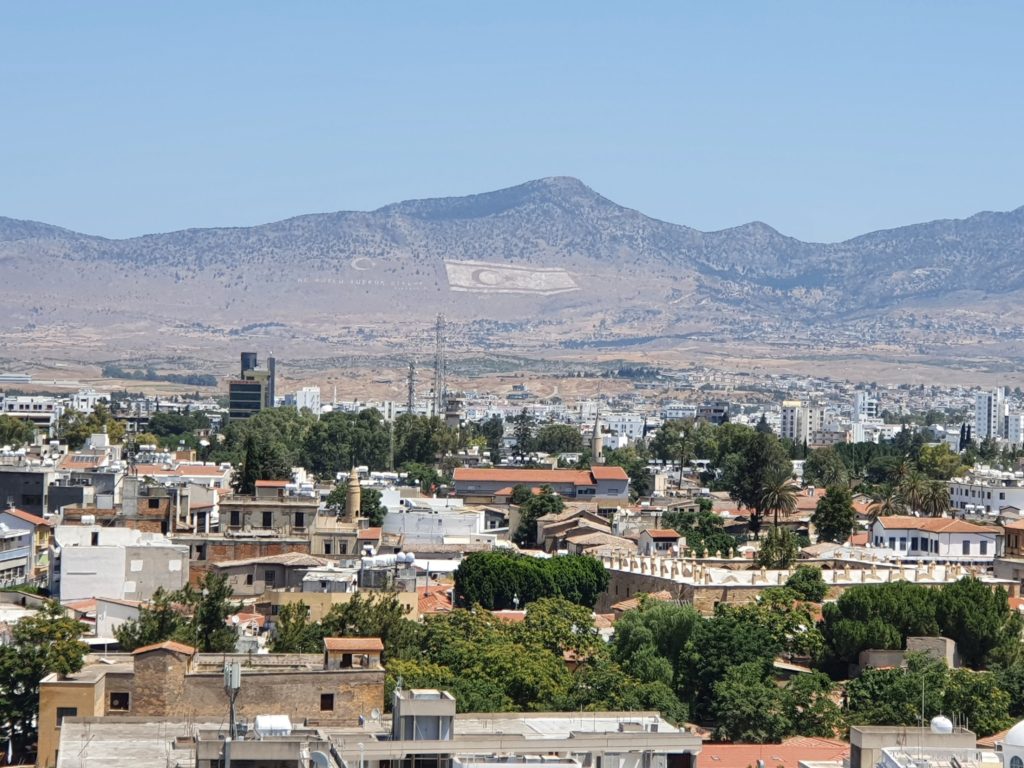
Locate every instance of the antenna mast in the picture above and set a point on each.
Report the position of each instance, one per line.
(440, 395)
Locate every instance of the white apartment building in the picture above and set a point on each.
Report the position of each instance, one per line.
(308, 397)
(89, 561)
(986, 491)
(799, 422)
(628, 425)
(680, 411)
(1015, 429)
(42, 411)
(865, 406)
(990, 412)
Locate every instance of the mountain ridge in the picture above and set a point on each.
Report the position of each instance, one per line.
(624, 272)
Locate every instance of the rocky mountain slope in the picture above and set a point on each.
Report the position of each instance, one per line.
(550, 254)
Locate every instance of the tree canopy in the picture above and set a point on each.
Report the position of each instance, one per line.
(496, 579)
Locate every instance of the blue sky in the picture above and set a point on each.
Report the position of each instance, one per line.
(823, 119)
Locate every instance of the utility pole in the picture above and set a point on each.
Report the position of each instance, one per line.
(411, 406)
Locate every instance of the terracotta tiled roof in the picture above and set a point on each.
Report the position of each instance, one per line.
(353, 644)
(662, 533)
(167, 645)
(932, 524)
(28, 517)
(514, 617)
(609, 473)
(271, 483)
(434, 599)
(369, 534)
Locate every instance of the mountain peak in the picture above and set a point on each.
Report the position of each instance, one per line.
(563, 190)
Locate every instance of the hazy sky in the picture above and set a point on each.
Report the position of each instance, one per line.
(823, 119)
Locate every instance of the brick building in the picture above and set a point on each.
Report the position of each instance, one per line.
(171, 680)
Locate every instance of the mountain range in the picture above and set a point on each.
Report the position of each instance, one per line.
(549, 259)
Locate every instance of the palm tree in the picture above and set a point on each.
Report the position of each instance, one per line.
(936, 499)
(888, 501)
(778, 495)
(914, 489)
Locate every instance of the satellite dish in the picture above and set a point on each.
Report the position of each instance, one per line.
(375, 713)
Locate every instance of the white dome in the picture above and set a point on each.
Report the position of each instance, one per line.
(941, 724)
(1015, 736)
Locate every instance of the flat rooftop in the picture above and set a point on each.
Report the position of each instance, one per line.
(126, 742)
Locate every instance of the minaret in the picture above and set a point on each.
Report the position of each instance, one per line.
(354, 498)
(597, 441)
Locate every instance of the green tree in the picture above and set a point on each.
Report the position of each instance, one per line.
(806, 582)
(749, 471)
(547, 502)
(263, 459)
(940, 462)
(340, 441)
(825, 468)
(75, 427)
(749, 707)
(977, 617)
(160, 619)
(888, 501)
(45, 643)
(294, 632)
(914, 490)
(520, 495)
(424, 475)
(935, 501)
(559, 625)
(211, 606)
(834, 516)
(496, 579)
(879, 616)
(811, 708)
(381, 615)
(558, 438)
(602, 684)
(15, 432)
(522, 428)
(778, 494)
(779, 548)
(653, 628)
(716, 645)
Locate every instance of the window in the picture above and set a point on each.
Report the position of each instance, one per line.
(903, 543)
(200, 551)
(327, 547)
(268, 519)
(154, 503)
(1016, 762)
(983, 547)
(269, 578)
(235, 517)
(892, 542)
(935, 546)
(1002, 494)
(63, 712)
(300, 519)
(119, 701)
(95, 538)
(326, 702)
(914, 541)
(248, 579)
(966, 547)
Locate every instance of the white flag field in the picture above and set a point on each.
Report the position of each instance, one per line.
(484, 277)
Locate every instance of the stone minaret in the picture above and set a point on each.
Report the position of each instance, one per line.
(354, 498)
(597, 441)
